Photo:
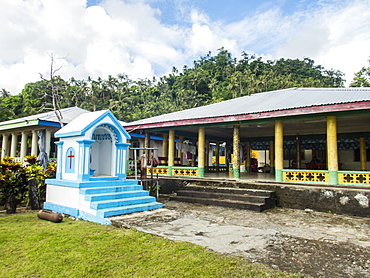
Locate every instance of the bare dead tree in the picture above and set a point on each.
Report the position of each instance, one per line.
(54, 89)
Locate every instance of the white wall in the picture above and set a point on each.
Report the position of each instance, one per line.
(347, 157)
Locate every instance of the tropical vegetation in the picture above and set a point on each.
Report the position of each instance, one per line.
(23, 183)
(362, 77)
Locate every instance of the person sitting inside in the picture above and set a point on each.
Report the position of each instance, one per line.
(315, 160)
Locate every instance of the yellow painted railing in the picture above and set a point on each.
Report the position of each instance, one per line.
(157, 170)
(188, 172)
(215, 169)
(351, 178)
(306, 176)
(176, 171)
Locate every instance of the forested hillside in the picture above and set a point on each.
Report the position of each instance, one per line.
(210, 79)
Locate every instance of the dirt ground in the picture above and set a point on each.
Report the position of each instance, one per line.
(312, 243)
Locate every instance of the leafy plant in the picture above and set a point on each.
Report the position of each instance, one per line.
(13, 183)
(16, 180)
(36, 180)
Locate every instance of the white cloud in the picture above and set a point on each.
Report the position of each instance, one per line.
(127, 36)
(335, 36)
(115, 37)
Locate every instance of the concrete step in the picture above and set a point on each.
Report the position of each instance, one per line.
(109, 189)
(229, 190)
(222, 203)
(223, 196)
(108, 212)
(241, 198)
(121, 202)
(115, 195)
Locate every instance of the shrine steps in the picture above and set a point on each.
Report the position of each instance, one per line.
(97, 200)
(250, 199)
(107, 201)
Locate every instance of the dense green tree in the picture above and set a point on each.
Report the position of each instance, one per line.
(362, 78)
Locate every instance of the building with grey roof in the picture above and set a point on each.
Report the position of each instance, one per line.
(20, 136)
(290, 126)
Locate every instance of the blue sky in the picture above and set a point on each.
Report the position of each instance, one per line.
(146, 38)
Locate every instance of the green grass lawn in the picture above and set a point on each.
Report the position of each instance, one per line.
(31, 247)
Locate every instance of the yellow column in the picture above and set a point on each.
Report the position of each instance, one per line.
(165, 145)
(272, 156)
(298, 153)
(23, 145)
(5, 145)
(279, 150)
(13, 149)
(34, 146)
(248, 157)
(332, 149)
(201, 151)
(193, 157)
(363, 157)
(171, 150)
(217, 155)
(207, 154)
(236, 151)
(147, 145)
(179, 152)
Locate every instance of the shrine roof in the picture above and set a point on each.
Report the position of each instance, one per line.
(291, 101)
(84, 122)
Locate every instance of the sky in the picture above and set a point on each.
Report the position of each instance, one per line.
(146, 38)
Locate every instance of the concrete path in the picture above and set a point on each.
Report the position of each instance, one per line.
(312, 243)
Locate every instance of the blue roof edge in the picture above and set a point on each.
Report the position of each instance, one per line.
(93, 123)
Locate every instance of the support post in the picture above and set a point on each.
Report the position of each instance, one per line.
(298, 153)
(171, 151)
(84, 159)
(236, 151)
(13, 149)
(179, 152)
(332, 148)
(147, 145)
(5, 145)
(59, 159)
(201, 151)
(207, 154)
(217, 155)
(23, 152)
(363, 157)
(48, 142)
(34, 145)
(272, 156)
(279, 150)
(122, 150)
(165, 145)
(247, 157)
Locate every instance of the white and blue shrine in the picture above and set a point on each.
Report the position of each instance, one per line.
(91, 178)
